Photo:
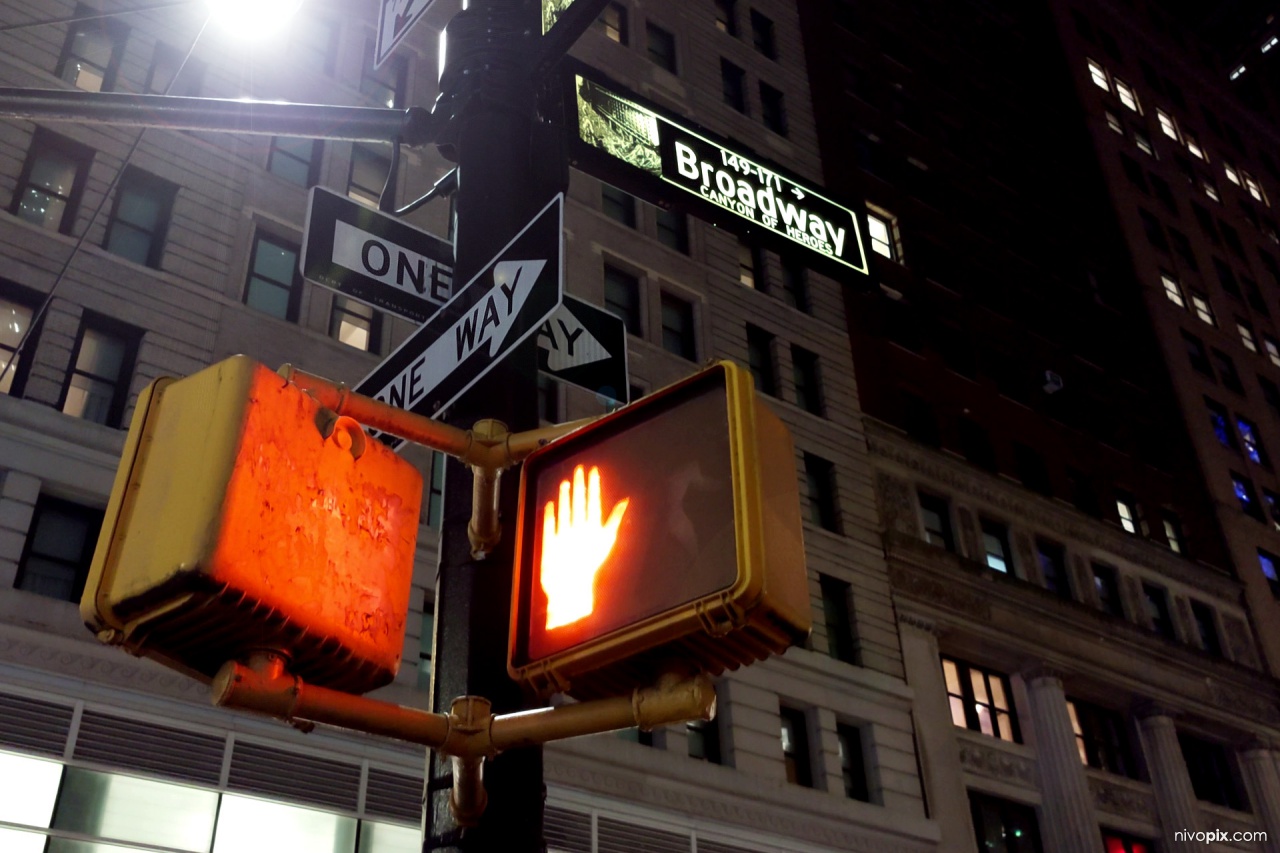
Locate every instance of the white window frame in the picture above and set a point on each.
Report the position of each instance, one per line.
(1173, 290)
(1168, 124)
(1246, 337)
(883, 232)
(1098, 75)
(1128, 96)
(1200, 303)
(1113, 122)
(1232, 175)
(1273, 349)
(1193, 145)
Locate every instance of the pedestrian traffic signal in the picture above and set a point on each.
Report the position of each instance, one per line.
(244, 518)
(667, 531)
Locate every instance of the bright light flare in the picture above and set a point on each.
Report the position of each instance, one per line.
(576, 540)
(253, 19)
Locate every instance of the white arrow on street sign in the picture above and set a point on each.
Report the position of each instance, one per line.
(505, 303)
(395, 19)
(585, 346)
(568, 343)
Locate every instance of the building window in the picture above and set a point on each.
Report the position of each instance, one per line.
(52, 181)
(678, 336)
(1210, 190)
(1144, 144)
(1173, 290)
(314, 45)
(1106, 583)
(1246, 336)
(979, 700)
(355, 324)
(661, 46)
(55, 560)
(704, 740)
(435, 490)
(613, 22)
(1249, 437)
(853, 766)
(1232, 175)
(882, 228)
(1183, 247)
(1113, 122)
(1197, 354)
(995, 545)
(1243, 488)
(384, 85)
(1129, 513)
(1227, 371)
(1194, 147)
(836, 603)
(1156, 602)
(727, 17)
(733, 85)
(773, 111)
(273, 286)
(804, 368)
(1102, 739)
(760, 360)
(368, 173)
(1172, 532)
(795, 747)
(1203, 310)
(1128, 97)
(91, 55)
(795, 286)
(15, 321)
(1273, 349)
(935, 513)
(820, 488)
(1212, 772)
(1220, 422)
(750, 264)
(1002, 826)
(1167, 124)
(1114, 842)
(673, 229)
(97, 387)
(1206, 627)
(622, 297)
(174, 73)
(140, 217)
(1053, 567)
(1255, 190)
(762, 35)
(1270, 565)
(1099, 76)
(296, 160)
(618, 205)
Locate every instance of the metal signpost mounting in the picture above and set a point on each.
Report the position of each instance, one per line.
(375, 258)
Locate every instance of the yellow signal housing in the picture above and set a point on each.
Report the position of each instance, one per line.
(245, 517)
(666, 532)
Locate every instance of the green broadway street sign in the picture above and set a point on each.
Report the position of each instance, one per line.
(721, 176)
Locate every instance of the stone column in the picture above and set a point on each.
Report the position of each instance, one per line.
(1176, 801)
(943, 778)
(1261, 777)
(1069, 822)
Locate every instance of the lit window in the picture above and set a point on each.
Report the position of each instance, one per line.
(355, 324)
(1113, 122)
(92, 53)
(1107, 586)
(995, 545)
(1273, 349)
(1128, 512)
(1270, 43)
(1246, 336)
(1255, 190)
(1173, 290)
(1232, 175)
(1203, 310)
(294, 159)
(1220, 423)
(1194, 147)
(1172, 532)
(1102, 739)
(1140, 139)
(97, 387)
(1210, 190)
(882, 228)
(726, 17)
(52, 180)
(140, 217)
(979, 700)
(273, 285)
(15, 320)
(250, 824)
(1250, 439)
(60, 544)
(1243, 488)
(1128, 97)
(1270, 565)
(109, 805)
(1099, 76)
(795, 747)
(613, 22)
(1235, 75)
(1167, 124)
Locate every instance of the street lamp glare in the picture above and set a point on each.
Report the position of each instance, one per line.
(253, 18)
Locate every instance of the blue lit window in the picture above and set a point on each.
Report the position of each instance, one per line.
(1221, 423)
(1252, 444)
(1248, 498)
(1268, 562)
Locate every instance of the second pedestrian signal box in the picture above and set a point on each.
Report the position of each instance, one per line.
(666, 533)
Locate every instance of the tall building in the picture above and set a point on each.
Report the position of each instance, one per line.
(173, 250)
(1066, 371)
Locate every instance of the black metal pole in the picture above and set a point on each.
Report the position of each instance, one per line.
(414, 126)
(489, 93)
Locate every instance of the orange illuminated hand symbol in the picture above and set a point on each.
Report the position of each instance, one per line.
(575, 548)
